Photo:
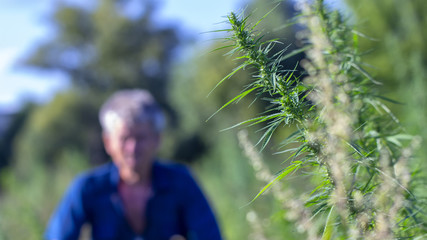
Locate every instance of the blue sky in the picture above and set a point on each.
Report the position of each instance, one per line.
(24, 24)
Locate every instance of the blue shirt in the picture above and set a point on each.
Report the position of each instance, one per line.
(177, 206)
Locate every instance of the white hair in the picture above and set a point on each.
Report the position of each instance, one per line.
(133, 106)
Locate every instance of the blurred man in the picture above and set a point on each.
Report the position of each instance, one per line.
(135, 196)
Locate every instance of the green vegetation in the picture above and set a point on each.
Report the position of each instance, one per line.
(398, 52)
(341, 153)
(347, 140)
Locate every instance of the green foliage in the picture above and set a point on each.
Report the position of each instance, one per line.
(288, 103)
(347, 139)
(399, 54)
(51, 130)
(8, 137)
(29, 199)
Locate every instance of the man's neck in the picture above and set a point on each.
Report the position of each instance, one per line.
(130, 177)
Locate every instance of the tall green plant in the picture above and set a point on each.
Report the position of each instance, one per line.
(347, 139)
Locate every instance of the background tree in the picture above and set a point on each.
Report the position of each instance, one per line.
(14, 123)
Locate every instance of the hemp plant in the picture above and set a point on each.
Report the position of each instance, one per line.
(346, 135)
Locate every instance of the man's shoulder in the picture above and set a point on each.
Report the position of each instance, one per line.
(98, 172)
(171, 168)
(96, 178)
(171, 174)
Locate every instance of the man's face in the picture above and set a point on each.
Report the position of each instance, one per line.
(132, 148)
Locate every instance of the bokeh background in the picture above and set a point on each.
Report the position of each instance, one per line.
(59, 60)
